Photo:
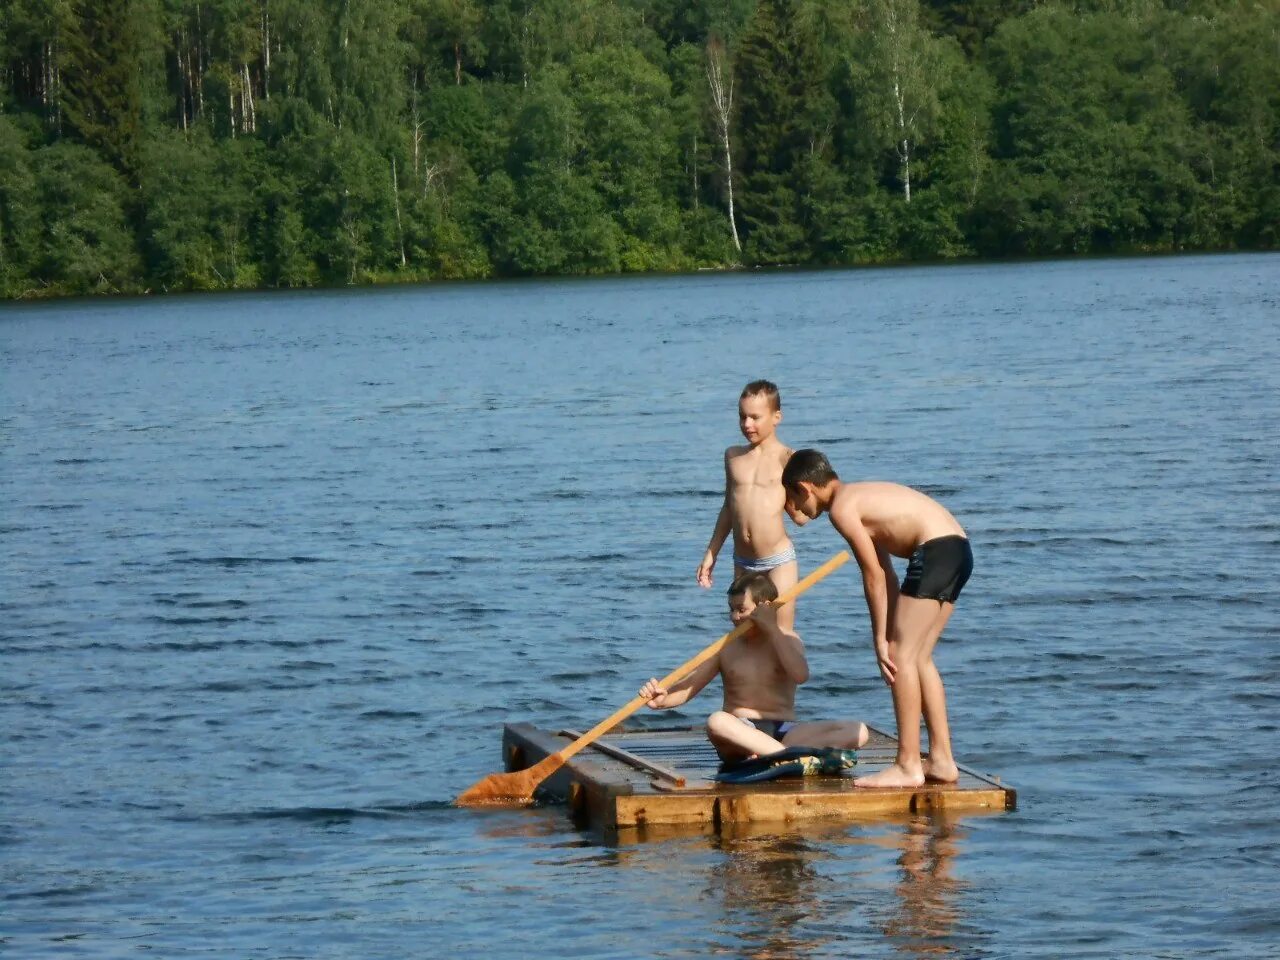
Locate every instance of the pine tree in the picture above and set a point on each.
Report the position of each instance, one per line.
(779, 129)
(102, 82)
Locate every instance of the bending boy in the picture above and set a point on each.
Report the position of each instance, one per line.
(880, 520)
(760, 671)
(754, 498)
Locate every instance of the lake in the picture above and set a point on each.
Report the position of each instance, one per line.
(277, 567)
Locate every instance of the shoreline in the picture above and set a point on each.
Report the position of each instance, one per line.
(390, 283)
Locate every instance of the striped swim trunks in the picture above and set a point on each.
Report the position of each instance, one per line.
(764, 564)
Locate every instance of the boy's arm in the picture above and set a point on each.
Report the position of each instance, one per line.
(798, 518)
(682, 691)
(786, 643)
(724, 523)
(874, 583)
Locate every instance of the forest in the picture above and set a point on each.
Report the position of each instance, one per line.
(165, 145)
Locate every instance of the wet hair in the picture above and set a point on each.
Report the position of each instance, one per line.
(756, 585)
(809, 466)
(763, 388)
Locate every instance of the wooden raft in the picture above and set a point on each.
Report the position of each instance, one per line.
(662, 777)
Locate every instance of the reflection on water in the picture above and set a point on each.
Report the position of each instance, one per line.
(522, 823)
(928, 890)
(770, 884)
(809, 890)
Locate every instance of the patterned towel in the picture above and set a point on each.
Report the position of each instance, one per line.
(792, 762)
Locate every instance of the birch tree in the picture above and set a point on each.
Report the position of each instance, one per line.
(448, 27)
(898, 72)
(32, 45)
(720, 82)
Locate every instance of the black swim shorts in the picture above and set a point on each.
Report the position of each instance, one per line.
(939, 569)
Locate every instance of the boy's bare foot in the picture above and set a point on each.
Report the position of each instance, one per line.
(937, 771)
(891, 776)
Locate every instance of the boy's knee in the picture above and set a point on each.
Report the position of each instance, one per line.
(716, 722)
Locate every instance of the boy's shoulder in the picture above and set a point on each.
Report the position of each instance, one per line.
(852, 492)
(844, 501)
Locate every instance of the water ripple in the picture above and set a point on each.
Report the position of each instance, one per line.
(274, 580)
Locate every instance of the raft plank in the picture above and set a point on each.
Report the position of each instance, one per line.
(604, 790)
(663, 773)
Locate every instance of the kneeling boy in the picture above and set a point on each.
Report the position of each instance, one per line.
(760, 671)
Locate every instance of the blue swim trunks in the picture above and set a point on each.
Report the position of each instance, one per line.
(773, 728)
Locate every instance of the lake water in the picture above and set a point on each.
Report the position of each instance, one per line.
(276, 568)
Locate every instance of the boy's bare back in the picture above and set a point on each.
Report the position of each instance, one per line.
(897, 518)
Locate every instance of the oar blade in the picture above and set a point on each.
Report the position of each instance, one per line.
(509, 789)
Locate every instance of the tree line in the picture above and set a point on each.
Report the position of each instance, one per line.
(215, 144)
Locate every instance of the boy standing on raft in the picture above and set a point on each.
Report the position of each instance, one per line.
(880, 520)
(754, 499)
(760, 671)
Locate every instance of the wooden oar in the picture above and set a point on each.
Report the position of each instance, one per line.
(517, 787)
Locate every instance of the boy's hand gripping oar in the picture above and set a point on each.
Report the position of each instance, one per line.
(517, 787)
